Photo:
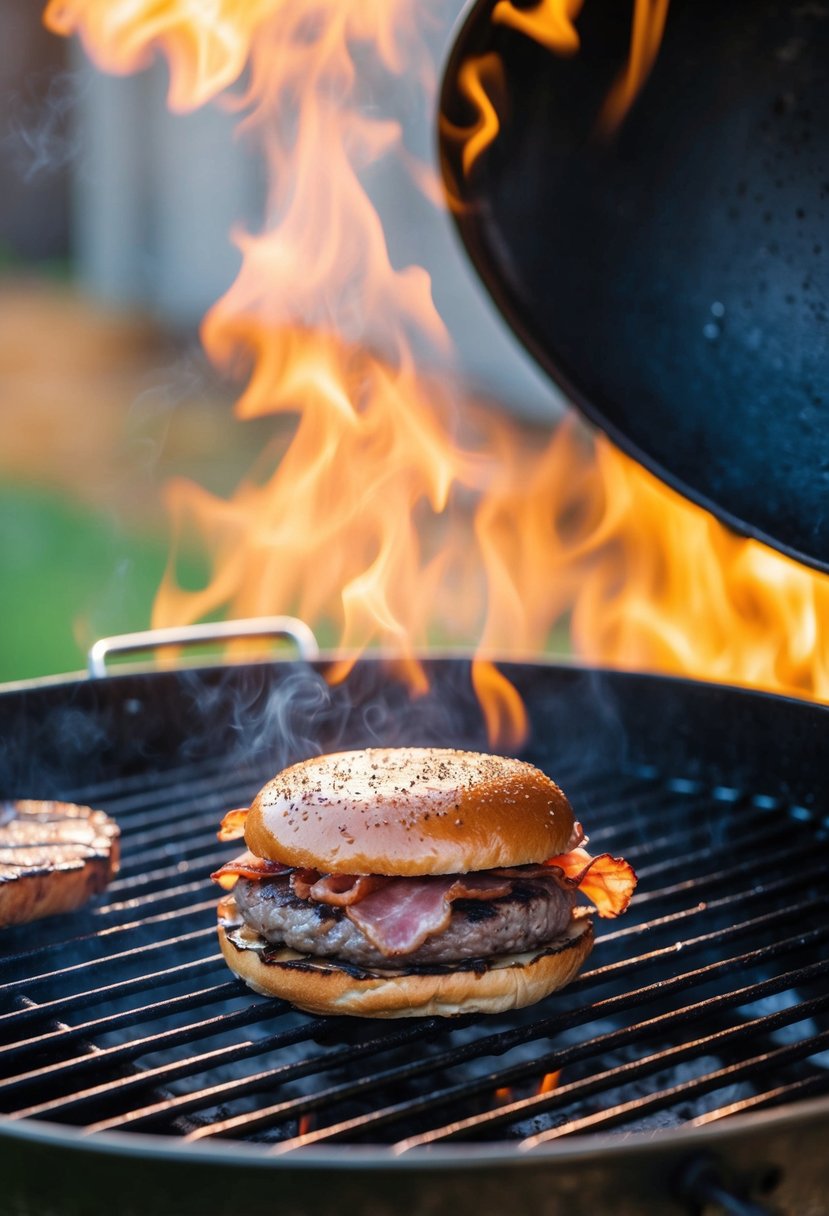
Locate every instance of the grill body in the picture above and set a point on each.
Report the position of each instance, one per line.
(698, 1029)
(48, 1175)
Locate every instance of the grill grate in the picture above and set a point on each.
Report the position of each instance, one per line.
(710, 998)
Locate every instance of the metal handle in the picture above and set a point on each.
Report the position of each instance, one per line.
(192, 635)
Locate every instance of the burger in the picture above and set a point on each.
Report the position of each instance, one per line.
(401, 882)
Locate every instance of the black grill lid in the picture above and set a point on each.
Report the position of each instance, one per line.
(675, 279)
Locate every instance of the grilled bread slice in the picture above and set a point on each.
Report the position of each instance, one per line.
(53, 857)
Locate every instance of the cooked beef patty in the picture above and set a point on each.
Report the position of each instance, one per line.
(533, 913)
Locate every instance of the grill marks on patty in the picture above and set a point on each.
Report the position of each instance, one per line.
(53, 857)
(529, 915)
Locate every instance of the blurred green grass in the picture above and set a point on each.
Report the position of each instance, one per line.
(69, 575)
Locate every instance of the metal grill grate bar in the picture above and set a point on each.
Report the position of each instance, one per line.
(722, 1077)
(184, 1104)
(167, 1073)
(762, 836)
(238, 1088)
(796, 1091)
(794, 855)
(125, 1052)
(554, 1061)
(18, 1018)
(150, 793)
(193, 1065)
(127, 955)
(65, 1034)
(491, 1081)
(791, 884)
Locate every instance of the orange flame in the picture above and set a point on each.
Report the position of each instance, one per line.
(361, 517)
(206, 45)
(649, 19)
(549, 1082)
(656, 583)
(384, 514)
(505, 1095)
(479, 79)
(551, 23)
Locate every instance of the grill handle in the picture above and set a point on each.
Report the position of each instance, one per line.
(193, 635)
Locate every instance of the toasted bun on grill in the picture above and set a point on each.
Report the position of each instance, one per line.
(54, 856)
(322, 986)
(408, 811)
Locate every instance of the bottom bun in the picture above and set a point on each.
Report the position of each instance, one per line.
(324, 986)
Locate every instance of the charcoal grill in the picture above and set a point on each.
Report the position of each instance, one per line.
(685, 1070)
(691, 1057)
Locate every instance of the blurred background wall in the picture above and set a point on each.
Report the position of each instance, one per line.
(34, 93)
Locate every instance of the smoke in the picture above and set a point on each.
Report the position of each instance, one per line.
(165, 390)
(288, 722)
(41, 136)
(269, 715)
(274, 715)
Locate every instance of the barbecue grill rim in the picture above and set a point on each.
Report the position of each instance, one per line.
(499, 1154)
(326, 658)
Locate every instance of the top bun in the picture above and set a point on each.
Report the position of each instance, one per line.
(409, 810)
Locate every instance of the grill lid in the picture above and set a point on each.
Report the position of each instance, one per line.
(674, 280)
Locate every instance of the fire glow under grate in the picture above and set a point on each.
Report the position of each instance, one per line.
(708, 998)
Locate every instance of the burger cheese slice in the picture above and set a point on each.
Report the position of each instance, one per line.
(402, 882)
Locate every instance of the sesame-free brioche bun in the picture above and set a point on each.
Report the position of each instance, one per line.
(407, 811)
(322, 986)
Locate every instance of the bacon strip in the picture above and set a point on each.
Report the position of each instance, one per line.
(337, 890)
(484, 884)
(233, 824)
(302, 881)
(247, 865)
(399, 916)
(608, 882)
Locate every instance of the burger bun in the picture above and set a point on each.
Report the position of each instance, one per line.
(408, 811)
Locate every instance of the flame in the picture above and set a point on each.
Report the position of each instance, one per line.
(505, 1095)
(551, 23)
(361, 517)
(390, 511)
(549, 1082)
(205, 41)
(479, 80)
(658, 584)
(649, 17)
